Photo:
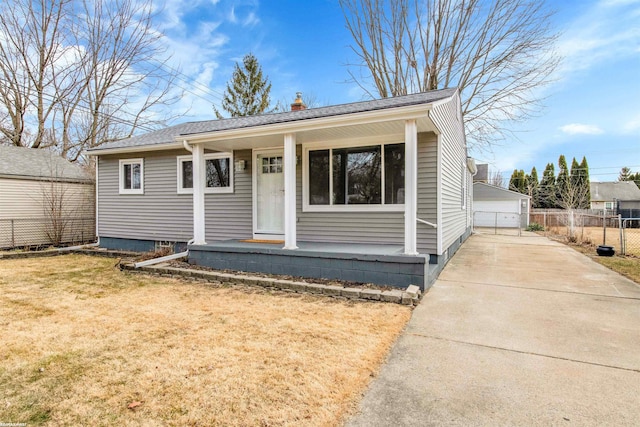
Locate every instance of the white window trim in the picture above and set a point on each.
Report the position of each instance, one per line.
(207, 190)
(121, 164)
(306, 207)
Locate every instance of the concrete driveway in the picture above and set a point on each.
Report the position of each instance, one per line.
(516, 331)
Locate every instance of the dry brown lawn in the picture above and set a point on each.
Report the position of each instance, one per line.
(86, 344)
(595, 236)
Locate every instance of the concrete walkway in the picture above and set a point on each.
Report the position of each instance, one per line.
(516, 331)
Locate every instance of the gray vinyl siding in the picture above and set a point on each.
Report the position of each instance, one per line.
(163, 214)
(229, 216)
(454, 220)
(347, 227)
(158, 214)
(427, 192)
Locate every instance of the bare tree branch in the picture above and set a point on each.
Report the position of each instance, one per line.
(498, 52)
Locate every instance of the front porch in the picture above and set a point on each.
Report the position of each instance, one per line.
(355, 262)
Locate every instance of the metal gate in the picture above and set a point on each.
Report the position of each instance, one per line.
(509, 223)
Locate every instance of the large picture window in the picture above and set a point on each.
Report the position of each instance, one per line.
(218, 169)
(370, 175)
(131, 176)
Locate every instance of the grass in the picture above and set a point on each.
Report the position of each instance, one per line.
(86, 344)
(628, 266)
(595, 235)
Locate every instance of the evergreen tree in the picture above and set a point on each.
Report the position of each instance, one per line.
(534, 188)
(518, 181)
(563, 183)
(625, 172)
(635, 177)
(586, 183)
(513, 181)
(547, 189)
(247, 92)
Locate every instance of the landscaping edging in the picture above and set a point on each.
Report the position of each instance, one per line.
(63, 251)
(410, 296)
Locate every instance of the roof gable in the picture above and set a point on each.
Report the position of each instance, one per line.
(170, 134)
(483, 191)
(38, 164)
(617, 190)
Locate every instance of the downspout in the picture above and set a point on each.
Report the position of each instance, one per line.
(171, 257)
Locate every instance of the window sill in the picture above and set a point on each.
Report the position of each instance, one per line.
(228, 190)
(126, 192)
(353, 208)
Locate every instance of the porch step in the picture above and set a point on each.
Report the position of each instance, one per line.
(409, 297)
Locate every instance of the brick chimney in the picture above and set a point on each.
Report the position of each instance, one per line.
(298, 104)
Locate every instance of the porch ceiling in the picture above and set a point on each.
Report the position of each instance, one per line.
(394, 129)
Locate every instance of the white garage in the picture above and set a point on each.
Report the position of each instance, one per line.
(498, 207)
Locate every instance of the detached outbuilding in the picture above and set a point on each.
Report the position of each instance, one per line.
(499, 208)
(44, 199)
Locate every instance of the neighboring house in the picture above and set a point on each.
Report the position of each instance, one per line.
(44, 199)
(604, 195)
(498, 207)
(375, 191)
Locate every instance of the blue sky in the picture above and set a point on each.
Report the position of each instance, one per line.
(592, 108)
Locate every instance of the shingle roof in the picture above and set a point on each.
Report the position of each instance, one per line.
(610, 191)
(483, 191)
(168, 135)
(38, 163)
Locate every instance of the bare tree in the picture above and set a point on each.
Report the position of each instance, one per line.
(65, 205)
(81, 74)
(496, 178)
(497, 52)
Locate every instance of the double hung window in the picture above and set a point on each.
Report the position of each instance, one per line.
(131, 176)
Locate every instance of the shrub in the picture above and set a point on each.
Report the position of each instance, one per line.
(534, 226)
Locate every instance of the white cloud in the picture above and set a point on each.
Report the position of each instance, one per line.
(251, 20)
(606, 32)
(632, 126)
(581, 129)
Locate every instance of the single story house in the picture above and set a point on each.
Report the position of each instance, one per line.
(44, 199)
(604, 195)
(498, 207)
(375, 191)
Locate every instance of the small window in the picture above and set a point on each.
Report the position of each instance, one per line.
(218, 169)
(131, 176)
(608, 205)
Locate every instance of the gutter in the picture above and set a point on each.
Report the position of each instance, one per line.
(161, 259)
(73, 248)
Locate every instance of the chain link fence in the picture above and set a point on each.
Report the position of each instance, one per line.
(631, 236)
(35, 232)
(590, 227)
(506, 223)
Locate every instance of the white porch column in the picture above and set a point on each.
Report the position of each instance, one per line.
(198, 194)
(410, 186)
(290, 191)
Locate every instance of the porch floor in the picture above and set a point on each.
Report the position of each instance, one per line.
(326, 247)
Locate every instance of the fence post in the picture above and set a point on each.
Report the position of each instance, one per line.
(495, 223)
(13, 236)
(623, 249)
(604, 226)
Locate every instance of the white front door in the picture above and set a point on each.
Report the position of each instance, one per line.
(269, 209)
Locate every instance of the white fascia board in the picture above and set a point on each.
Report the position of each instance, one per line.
(401, 113)
(136, 149)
